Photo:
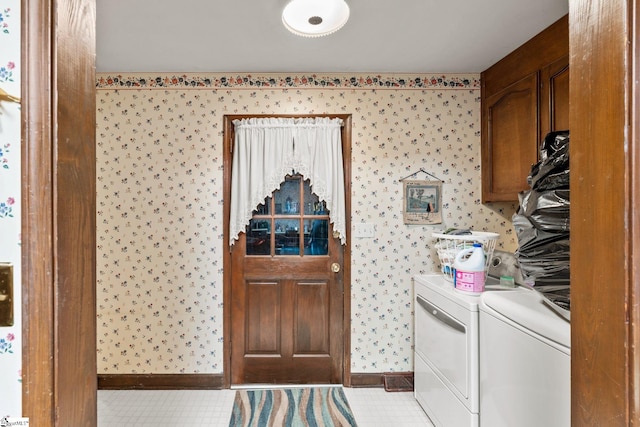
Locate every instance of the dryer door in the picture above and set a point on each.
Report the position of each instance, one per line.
(443, 340)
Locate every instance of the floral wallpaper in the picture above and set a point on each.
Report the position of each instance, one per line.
(10, 122)
(159, 205)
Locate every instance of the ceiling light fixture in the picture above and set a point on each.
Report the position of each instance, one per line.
(315, 18)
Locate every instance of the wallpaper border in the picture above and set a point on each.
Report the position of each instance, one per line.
(283, 81)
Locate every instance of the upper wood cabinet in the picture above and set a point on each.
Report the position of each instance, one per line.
(524, 96)
(554, 97)
(511, 116)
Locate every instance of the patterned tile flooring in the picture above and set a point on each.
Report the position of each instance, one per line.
(372, 407)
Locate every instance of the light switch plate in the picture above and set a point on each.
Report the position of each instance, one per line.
(6, 294)
(365, 230)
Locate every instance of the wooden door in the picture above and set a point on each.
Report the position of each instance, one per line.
(287, 292)
(314, 305)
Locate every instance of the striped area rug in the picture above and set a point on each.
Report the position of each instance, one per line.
(293, 407)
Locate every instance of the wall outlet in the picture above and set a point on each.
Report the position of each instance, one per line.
(365, 230)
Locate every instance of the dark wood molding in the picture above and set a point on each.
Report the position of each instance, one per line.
(604, 253)
(38, 350)
(228, 132)
(367, 380)
(58, 213)
(161, 381)
(75, 212)
(382, 379)
(346, 154)
(633, 203)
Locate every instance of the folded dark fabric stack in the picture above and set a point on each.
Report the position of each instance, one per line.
(542, 219)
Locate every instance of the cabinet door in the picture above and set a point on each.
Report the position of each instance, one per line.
(510, 139)
(554, 97)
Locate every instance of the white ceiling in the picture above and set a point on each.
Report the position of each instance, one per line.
(392, 36)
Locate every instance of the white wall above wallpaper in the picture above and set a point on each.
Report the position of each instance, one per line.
(159, 212)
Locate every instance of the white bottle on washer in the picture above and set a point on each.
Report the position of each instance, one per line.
(469, 266)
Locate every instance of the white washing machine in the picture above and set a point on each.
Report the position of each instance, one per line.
(525, 361)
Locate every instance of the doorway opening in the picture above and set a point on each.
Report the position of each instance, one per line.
(287, 298)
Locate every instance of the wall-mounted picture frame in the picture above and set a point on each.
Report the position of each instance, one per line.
(422, 202)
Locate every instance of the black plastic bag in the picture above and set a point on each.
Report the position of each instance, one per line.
(542, 219)
(547, 210)
(552, 171)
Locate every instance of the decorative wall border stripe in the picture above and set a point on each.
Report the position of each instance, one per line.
(280, 81)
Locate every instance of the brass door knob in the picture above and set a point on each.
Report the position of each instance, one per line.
(335, 267)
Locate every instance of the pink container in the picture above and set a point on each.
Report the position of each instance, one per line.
(469, 265)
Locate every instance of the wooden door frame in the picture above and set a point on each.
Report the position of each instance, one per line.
(45, 92)
(227, 161)
(604, 119)
(59, 366)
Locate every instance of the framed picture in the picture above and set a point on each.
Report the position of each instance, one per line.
(422, 202)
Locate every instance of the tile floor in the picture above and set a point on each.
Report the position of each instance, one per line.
(372, 407)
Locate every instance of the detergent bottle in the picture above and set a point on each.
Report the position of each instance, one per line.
(469, 266)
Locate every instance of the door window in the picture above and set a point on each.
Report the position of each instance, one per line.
(291, 222)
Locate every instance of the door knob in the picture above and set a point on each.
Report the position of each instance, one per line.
(335, 267)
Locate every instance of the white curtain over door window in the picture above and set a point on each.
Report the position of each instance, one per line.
(267, 149)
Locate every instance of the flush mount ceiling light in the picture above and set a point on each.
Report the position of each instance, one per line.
(315, 18)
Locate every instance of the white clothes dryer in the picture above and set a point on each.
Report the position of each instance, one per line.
(446, 352)
(525, 361)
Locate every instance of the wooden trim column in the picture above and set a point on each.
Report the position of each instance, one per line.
(604, 213)
(633, 204)
(58, 216)
(38, 352)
